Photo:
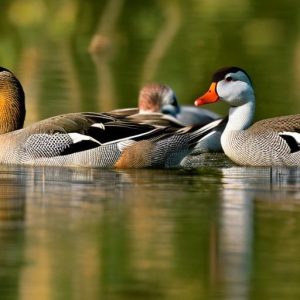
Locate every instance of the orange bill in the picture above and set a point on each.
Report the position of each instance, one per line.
(209, 97)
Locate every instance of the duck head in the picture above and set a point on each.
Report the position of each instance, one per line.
(158, 98)
(12, 102)
(230, 84)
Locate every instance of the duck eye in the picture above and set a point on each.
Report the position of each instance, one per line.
(229, 78)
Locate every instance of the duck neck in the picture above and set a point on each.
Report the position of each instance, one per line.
(241, 117)
(12, 106)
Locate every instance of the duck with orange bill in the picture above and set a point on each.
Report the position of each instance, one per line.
(269, 142)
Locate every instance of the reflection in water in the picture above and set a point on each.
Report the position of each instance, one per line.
(127, 234)
(103, 51)
(163, 39)
(275, 183)
(235, 236)
(12, 217)
(169, 234)
(241, 187)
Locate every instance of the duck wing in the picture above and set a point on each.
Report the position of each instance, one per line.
(71, 133)
(278, 124)
(285, 127)
(154, 118)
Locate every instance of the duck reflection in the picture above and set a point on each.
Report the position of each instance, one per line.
(12, 217)
(112, 232)
(276, 183)
(242, 189)
(155, 233)
(74, 186)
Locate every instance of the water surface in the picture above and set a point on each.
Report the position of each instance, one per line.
(206, 233)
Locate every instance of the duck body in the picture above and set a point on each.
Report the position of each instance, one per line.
(157, 105)
(267, 143)
(211, 140)
(270, 142)
(87, 139)
(95, 140)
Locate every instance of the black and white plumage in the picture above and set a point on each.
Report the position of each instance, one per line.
(270, 142)
(158, 106)
(83, 139)
(110, 140)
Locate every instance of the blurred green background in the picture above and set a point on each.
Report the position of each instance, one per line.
(82, 55)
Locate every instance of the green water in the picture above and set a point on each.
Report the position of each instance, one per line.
(215, 231)
(210, 233)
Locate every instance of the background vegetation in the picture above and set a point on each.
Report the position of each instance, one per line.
(76, 55)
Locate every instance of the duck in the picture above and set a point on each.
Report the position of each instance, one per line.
(86, 139)
(158, 105)
(161, 98)
(158, 101)
(155, 99)
(266, 143)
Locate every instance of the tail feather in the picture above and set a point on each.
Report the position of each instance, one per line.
(199, 133)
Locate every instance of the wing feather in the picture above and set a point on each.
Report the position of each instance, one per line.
(285, 123)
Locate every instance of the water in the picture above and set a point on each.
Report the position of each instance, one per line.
(212, 231)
